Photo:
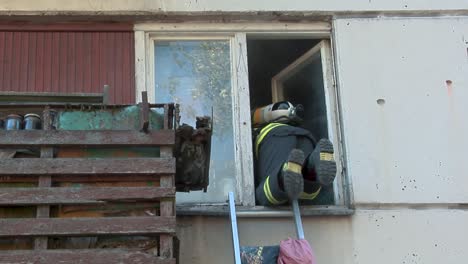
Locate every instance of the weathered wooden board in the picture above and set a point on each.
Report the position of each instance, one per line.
(87, 226)
(81, 138)
(86, 195)
(101, 256)
(117, 209)
(167, 207)
(43, 211)
(44, 97)
(80, 166)
(125, 180)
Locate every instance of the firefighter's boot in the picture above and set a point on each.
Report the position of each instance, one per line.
(291, 174)
(321, 162)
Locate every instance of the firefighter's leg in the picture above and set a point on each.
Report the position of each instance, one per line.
(269, 193)
(311, 191)
(319, 171)
(285, 183)
(321, 163)
(291, 174)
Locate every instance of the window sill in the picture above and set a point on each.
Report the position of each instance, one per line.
(261, 211)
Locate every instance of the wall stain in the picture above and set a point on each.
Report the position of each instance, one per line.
(449, 85)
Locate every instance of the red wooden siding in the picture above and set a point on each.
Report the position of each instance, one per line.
(81, 60)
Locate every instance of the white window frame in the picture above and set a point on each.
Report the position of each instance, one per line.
(147, 33)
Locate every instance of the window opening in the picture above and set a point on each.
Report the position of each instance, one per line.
(300, 85)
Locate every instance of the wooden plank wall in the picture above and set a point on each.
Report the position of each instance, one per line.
(98, 173)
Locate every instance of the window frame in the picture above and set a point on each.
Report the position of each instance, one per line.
(323, 48)
(237, 33)
(242, 166)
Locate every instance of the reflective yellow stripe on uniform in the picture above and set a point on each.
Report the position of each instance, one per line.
(326, 156)
(263, 134)
(267, 191)
(290, 166)
(309, 196)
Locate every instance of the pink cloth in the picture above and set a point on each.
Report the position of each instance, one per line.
(296, 251)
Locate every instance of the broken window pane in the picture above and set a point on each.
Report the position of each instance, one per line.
(197, 75)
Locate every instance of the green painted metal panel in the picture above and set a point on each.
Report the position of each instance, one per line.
(125, 118)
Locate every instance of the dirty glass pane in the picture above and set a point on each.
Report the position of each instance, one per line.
(197, 75)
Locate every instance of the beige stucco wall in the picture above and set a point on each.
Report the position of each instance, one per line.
(370, 236)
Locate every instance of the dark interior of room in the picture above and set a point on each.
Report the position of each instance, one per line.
(266, 58)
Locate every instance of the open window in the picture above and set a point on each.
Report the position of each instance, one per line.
(232, 70)
(299, 71)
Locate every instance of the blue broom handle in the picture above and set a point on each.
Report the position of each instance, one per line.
(297, 219)
(235, 234)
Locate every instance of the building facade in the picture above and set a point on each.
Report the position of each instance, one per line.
(389, 79)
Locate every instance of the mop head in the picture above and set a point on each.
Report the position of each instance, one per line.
(296, 251)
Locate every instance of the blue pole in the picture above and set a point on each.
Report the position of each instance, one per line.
(235, 234)
(297, 219)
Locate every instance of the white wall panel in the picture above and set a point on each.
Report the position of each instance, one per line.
(410, 236)
(414, 147)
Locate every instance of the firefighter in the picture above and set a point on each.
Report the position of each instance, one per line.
(290, 163)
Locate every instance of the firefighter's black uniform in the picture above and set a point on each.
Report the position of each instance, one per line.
(272, 146)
